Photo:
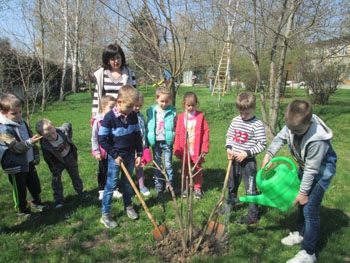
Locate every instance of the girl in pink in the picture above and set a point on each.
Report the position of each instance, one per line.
(192, 136)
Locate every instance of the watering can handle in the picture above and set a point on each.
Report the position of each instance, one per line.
(259, 175)
(282, 158)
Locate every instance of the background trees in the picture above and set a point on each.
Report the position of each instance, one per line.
(174, 36)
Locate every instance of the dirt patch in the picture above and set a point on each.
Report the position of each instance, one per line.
(170, 249)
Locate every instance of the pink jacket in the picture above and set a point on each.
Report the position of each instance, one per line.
(201, 141)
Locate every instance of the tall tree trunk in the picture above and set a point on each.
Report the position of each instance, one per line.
(65, 58)
(42, 57)
(75, 70)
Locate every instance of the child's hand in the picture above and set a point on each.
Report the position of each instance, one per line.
(138, 161)
(266, 159)
(241, 156)
(118, 160)
(301, 199)
(98, 157)
(35, 139)
(230, 154)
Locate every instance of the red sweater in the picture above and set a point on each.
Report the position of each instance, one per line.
(201, 140)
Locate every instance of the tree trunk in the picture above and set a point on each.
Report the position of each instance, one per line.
(65, 58)
(75, 70)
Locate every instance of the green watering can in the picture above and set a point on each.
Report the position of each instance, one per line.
(279, 184)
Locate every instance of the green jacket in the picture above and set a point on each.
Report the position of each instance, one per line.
(169, 124)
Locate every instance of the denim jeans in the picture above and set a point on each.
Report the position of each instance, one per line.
(159, 148)
(112, 182)
(309, 222)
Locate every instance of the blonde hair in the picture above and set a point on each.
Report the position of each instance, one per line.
(245, 101)
(298, 112)
(163, 91)
(9, 101)
(128, 92)
(104, 101)
(43, 125)
(190, 96)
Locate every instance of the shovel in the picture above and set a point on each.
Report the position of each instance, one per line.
(214, 227)
(159, 232)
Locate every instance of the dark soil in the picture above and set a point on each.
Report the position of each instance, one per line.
(170, 249)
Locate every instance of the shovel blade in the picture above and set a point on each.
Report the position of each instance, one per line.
(160, 233)
(215, 229)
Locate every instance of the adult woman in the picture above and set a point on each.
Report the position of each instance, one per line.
(113, 74)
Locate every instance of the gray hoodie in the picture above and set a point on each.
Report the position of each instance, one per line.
(313, 152)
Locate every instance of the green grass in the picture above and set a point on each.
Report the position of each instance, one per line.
(74, 233)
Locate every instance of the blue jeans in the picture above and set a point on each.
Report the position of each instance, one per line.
(158, 150)
(112, 182)
(309, 222)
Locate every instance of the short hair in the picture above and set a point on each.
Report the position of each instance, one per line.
(9, 101)
(105, 99)
(298, 112)
(140, 95)
(110, 52)
(163, 91)
(43, 125)
(128, 92)
(191, 96)
(245, 100)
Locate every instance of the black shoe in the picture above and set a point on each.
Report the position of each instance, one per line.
(84, 195)
(248, 220)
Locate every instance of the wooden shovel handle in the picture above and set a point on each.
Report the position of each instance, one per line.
(139, 196)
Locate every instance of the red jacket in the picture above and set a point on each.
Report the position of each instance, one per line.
(201, 140)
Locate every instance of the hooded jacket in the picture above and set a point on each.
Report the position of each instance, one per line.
(313, 152)
(13, 155)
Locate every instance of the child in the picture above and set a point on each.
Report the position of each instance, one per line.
(161, 119)
(120, 136)
(192, 135)
(308, 139)
(107, 103)
(139, 170)
(19, 155)
(60, 153)
(245, 139)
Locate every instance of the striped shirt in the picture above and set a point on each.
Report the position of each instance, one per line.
(246, 135)
(111, 86)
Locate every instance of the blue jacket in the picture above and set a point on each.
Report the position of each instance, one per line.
(14, 159)
(120, 136)
(169, 124)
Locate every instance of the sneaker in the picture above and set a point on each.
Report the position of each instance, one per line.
(303, 257)
(117, 194)
(108, 221)
(100, 195)
(131, 213)
(294, 238)
(28, 215)
(248, 220)
(185, 193)
(39, 207)
(159, 188)
(198, 194)
(84, 195)
(144, 190)
(59, 205)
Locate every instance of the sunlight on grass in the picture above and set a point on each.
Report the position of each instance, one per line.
(74, 233)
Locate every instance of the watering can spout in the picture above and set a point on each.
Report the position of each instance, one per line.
(258, 199)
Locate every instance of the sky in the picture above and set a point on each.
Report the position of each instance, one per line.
(12, 24)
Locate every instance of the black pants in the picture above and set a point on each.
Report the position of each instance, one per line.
(246, 170)
(23, 181)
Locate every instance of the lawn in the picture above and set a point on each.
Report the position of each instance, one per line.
(74, 233)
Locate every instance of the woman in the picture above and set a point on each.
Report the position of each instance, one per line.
(113, 74)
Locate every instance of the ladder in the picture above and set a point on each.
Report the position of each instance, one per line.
(222, 77)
